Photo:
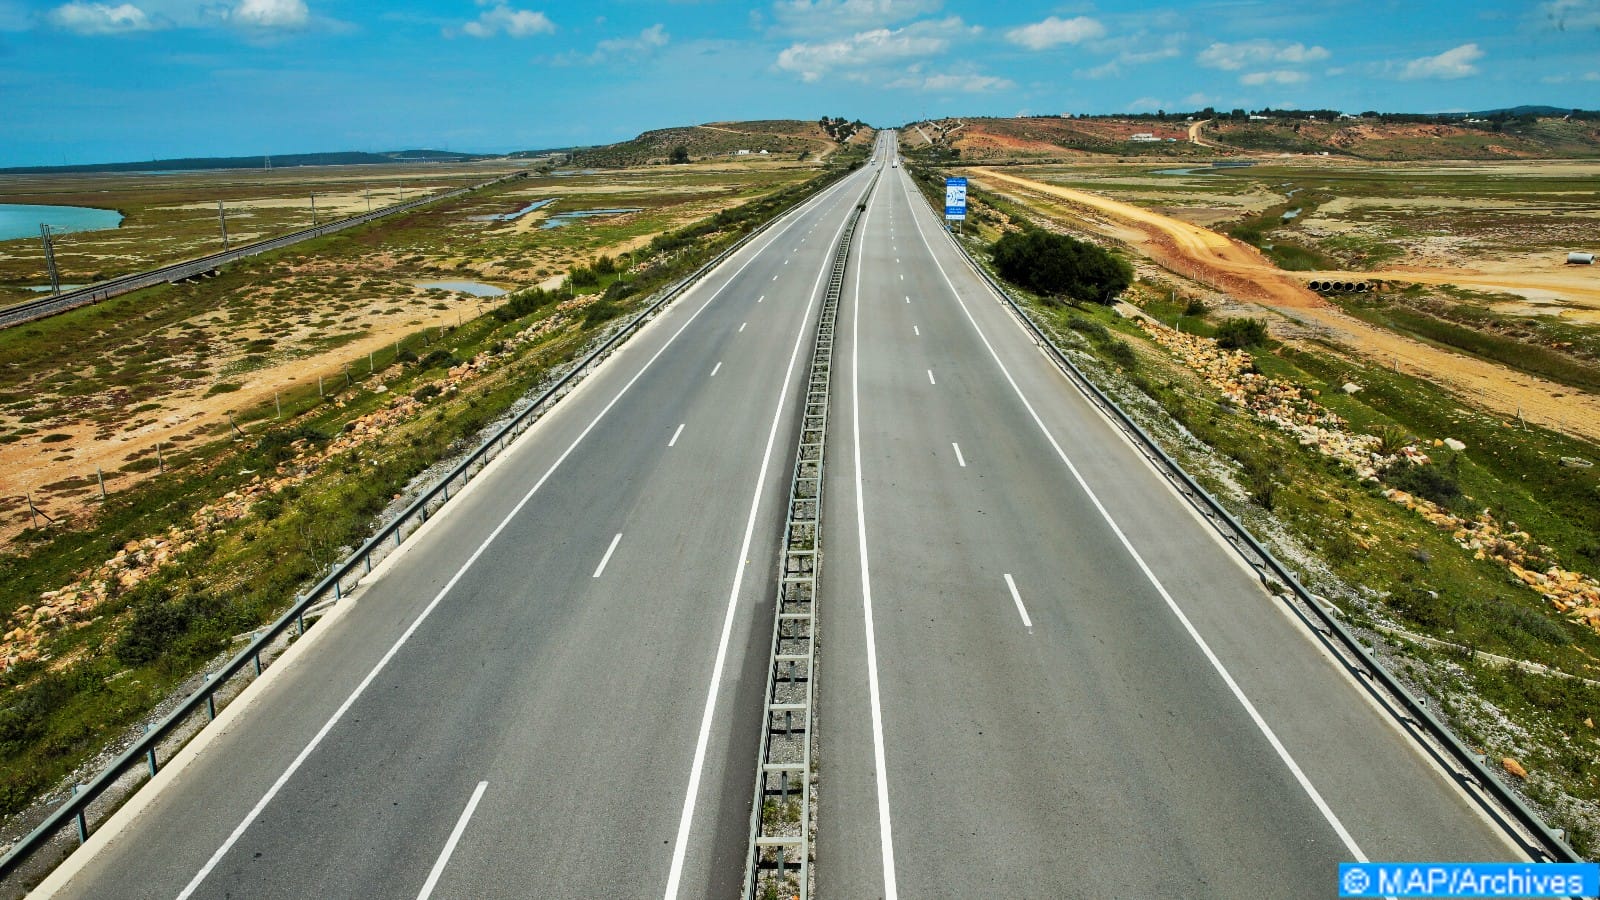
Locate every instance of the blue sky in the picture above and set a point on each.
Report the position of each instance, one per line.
(88, 81)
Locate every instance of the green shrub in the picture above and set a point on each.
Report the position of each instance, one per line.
(161, 626)
(1239, 334)
(438, 359)
(426, 392)
(1426, 481)
(1055, 265)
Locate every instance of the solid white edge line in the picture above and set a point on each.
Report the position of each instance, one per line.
(697, 768)
(450, 845)
(1016, 596)
(607, 558)
(959, 458)
(885, 832)
(1216, 663)
(338, 714)
(674, 441)
(716, 368)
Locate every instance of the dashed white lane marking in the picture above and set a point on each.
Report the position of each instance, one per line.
(741, 327)
(607, 558)
(1260, 721)
(450, 845)
(1021, 610)
(959, 458)
(717, 368)
(930, 377)
(675, 434)
(916, 331)
(761, 298)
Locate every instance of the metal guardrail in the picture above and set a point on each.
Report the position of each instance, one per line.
(105, 290)
(1465, 766)
(780, 818)
(347, 574)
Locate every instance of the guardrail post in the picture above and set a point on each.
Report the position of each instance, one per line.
(81, 819)
(258, 665)
(211, 706)
(151, 756)
(337, 593)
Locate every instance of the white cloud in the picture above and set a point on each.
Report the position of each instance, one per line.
(1571, 14)
(1456, 62)
(1244, 53)
(502, 19)
(1109, 69)
(1198, 99)
(1146, 104)
(649, 39)
(968, 83)
(871, 48)
(1053, 32)
(100, 18)
(1276, 76)
(270, 13)
(830, 17)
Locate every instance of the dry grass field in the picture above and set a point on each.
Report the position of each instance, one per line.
(101, 387)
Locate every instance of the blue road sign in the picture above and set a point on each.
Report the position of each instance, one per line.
(955, 198)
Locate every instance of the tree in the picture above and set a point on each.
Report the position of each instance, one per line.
(1054, 265)
(680, 154)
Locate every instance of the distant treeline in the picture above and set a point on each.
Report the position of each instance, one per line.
(347, 158)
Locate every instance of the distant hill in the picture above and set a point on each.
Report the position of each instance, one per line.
(725, 139)
(1521, 138)
(1524, 132)
(1044, 137)
(288, 160)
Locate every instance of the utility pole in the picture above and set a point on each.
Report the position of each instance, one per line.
(313, 207)
(369, 199)
(222, 217)
(50, 257)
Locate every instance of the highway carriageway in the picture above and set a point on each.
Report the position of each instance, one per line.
(1041, 672)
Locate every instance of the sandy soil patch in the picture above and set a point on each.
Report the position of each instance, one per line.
(1243, 272)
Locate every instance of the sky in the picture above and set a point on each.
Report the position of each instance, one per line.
(86, 81)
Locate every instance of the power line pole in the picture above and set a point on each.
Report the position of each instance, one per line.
(50, 257)
(222, 217)
(313, 207)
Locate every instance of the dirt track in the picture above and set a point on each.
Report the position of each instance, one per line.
(1243, 272)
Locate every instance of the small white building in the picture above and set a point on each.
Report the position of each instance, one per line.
(741, 153)
(1144, 137)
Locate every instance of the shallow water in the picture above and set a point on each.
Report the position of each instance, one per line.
(22, 220)
(475, 288)
(567, 218)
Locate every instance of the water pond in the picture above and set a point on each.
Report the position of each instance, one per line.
(22, 220)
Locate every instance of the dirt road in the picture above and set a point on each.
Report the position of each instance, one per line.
(1244, 273)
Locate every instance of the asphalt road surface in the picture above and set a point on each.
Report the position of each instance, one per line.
(1041, 675)
(556, 691)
